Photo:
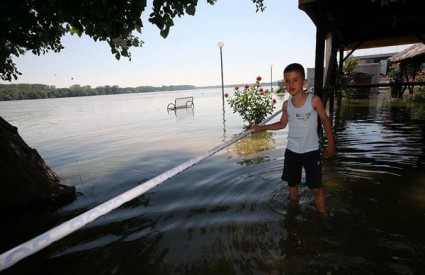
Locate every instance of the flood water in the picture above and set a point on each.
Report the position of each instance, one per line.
(228, 214)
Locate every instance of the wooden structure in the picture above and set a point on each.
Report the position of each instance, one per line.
(359, 24)
(410, 60)
(414, 54)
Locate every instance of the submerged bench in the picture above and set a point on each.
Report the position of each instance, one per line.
(182, 102)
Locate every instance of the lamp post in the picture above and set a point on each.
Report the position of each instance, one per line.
(271, 78)
(221, 45)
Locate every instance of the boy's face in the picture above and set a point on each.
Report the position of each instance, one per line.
(294, 82)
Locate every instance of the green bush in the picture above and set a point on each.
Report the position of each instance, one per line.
(419, 91)
(349, 65)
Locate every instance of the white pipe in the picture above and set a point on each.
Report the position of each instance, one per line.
(34, 245)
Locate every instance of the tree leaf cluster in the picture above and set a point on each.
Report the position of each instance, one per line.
(39, 25)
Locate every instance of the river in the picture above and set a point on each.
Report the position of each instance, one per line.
(228, 214)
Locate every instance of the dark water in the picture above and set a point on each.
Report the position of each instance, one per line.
(230, 213)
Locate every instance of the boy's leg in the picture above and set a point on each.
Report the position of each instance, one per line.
(293, 193)
(319, 200)
(292, 169)
(313, 170)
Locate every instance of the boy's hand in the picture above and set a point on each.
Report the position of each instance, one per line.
(256, 128)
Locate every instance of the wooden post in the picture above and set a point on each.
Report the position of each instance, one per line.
(319, 61)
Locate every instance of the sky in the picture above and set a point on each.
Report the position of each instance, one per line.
(255, 44)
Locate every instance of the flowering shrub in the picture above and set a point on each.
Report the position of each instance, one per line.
(395, 74)
(252, 103)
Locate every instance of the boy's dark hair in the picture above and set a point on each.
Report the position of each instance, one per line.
(295, 67)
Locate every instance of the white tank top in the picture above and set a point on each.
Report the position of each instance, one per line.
(302, 123)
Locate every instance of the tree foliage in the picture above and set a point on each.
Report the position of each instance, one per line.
(39, 25)
(38, 91)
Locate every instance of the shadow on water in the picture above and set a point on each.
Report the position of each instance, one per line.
(230, 214)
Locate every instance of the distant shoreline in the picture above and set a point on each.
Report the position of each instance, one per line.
(23, 91)
(10, 92)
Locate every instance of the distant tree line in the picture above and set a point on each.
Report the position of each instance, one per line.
(37, 91)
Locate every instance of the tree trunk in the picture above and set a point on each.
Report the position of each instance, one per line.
(25, 179)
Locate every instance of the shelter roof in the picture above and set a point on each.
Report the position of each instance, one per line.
(416, 51)
(369, 23)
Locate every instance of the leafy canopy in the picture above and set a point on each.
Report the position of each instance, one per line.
(38, 25)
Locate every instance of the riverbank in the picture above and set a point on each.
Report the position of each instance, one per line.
(39, 91)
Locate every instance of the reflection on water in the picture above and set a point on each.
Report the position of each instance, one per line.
(230, 213)
(183, 113)
(249, 149)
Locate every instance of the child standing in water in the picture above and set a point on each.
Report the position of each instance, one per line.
(301, 112)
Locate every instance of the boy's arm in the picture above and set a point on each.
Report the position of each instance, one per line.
(277, 125)
(318, 106)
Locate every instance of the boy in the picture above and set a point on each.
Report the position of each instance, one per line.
(300, 112)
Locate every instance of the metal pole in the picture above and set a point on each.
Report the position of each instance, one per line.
(271, 78)
(222, 81)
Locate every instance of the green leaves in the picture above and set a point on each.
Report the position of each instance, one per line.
(259, 4)
(191, 9)
(165, 11)
(349, 65)
(76, 31)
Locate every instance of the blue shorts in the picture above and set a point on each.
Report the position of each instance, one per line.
(312, 164)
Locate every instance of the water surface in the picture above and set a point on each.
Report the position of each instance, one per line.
(229, 214)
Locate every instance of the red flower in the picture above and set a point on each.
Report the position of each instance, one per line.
(236, 88)
(258, 78)
(274, 100)
(246, 86)
(226, 95)
(261, 91)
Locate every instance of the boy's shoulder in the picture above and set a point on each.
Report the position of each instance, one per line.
(315, 99)
(316, 103)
